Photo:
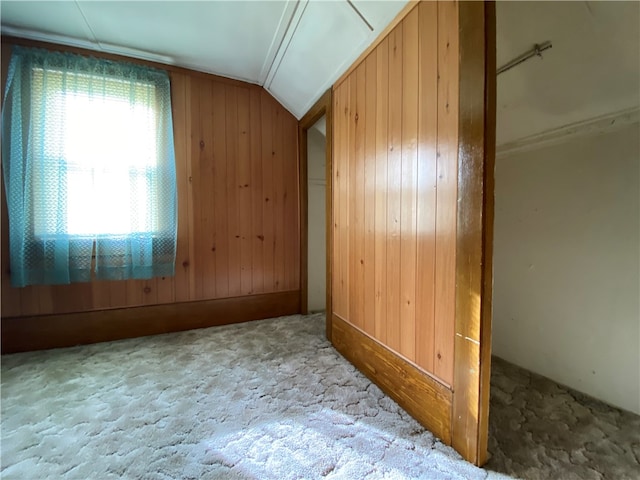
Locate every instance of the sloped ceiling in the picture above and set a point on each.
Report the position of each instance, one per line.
(592, 70)
(296, 49)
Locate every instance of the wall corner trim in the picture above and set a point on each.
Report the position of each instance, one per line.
(593, 126)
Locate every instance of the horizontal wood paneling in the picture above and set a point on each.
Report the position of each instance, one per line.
(426, 399)
(65, 330)
(395, 198)
(238, 206)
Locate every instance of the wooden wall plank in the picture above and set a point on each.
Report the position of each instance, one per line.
(382, 118)
(205, 220)
(327, 99)
(188, 264)
(243, 183)
(356, 200)
(447, 169)
(427, 142)
(117, 294)
(394, 189)
(409, 177)
(257, 237)
(219, 248)
(231, 183)
(268, 216)
(179, 86)
(341, 193)
(100, 295)
(277, 126)
(291, 205)
(226, 134)
(369, 289)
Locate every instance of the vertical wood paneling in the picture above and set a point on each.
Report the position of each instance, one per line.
(341, 192)
(219, 247)
(257, 236)
(205, 240)
(277, 126)
(395, 197)
(430, 96)
(268, 219)
(196, 270)
(181, 91)
(394, 188)
(243, 182)
(236, 168)
(427, 141)
(356, 188)
(231, 183)
(188, 263)
(409, 177)
(447, 192)
(100, 296)
(337, 297)
(381, 119)
(369, 196)
(117, 293)
(290, 208)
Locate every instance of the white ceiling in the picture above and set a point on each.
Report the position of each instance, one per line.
(296, 49)
(592, 70)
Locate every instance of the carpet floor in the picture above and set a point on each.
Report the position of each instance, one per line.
(272, 400)
(541, 430)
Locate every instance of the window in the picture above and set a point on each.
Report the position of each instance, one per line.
(89, 167)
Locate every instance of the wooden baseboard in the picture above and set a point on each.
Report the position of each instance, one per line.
(21, 334)
(424, 398)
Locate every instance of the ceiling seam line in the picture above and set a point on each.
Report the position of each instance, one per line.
(281, 57)
(362, 17)
(277, 50)
(93, 34)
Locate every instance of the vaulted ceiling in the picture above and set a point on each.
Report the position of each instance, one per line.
(296, 49)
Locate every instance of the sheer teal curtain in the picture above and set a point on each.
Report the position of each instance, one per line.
(89, 169)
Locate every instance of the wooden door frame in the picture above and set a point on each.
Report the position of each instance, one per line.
(322, 107)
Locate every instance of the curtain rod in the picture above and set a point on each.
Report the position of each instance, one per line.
(535, 51)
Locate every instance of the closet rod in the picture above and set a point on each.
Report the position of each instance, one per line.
(535, 51)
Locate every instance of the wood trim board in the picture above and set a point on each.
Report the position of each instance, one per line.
(324, 106)
(474, 238)
(424, 398)
(20, 334)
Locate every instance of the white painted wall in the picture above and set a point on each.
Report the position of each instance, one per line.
(567, 261)
(316, 162)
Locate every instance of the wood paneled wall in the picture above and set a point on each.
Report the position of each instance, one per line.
(395, 190)
(238, 219)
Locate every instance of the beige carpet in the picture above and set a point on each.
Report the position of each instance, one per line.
(262, 400)
(540, 430)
